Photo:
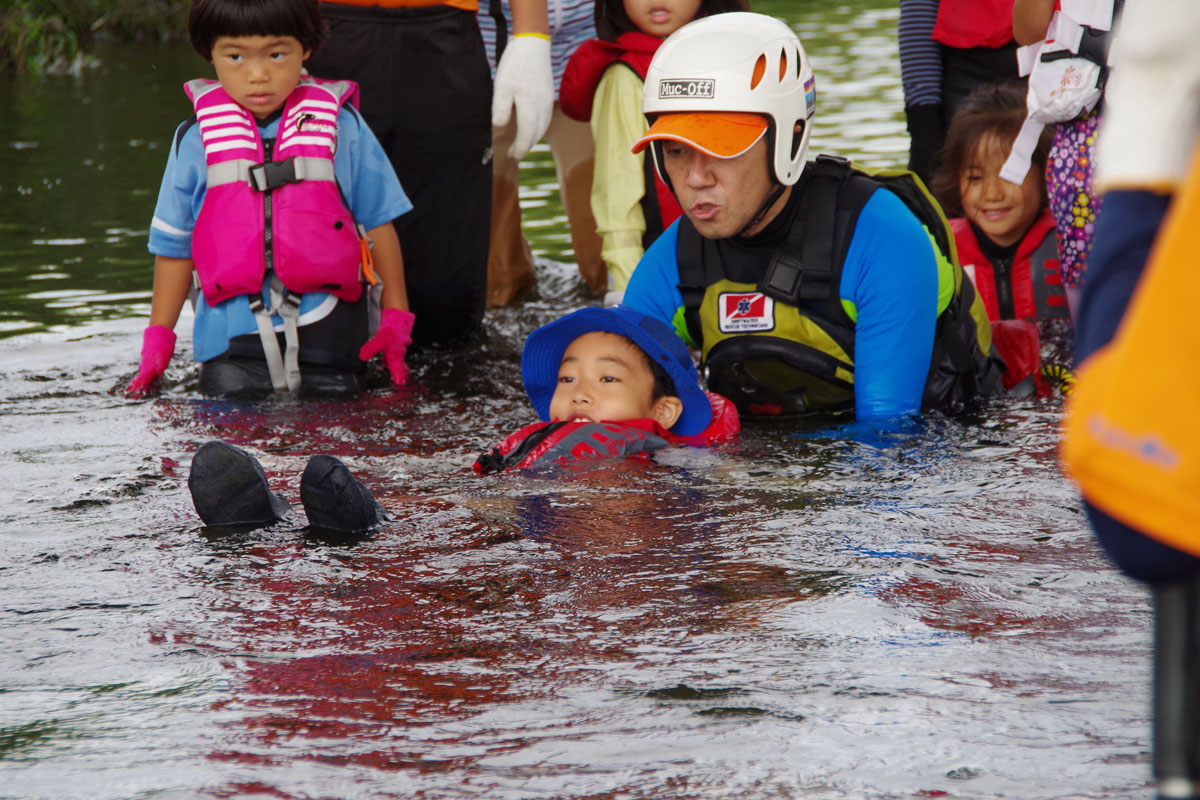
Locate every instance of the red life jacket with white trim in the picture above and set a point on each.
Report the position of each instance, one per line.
(1034, 280)
(572, 445)
(1035, 285)
(577, 91)
(287, 214)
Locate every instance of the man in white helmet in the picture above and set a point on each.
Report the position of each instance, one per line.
(805, 287)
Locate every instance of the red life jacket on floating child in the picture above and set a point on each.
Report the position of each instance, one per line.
(314, 243)
(574, 444)
(577, 92)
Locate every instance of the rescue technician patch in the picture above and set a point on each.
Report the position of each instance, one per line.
(742, 312)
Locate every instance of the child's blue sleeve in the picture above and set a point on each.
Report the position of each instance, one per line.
(891, 278)
(365, 174)
(179, 195)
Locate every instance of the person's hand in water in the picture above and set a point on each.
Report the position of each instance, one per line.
(158, 345)
(392, 339)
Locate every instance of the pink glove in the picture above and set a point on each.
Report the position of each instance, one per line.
(158, 345)
(392, 339)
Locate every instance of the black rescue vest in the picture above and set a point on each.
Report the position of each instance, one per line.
(774, 335)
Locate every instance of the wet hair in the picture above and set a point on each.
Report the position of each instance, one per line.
(612, 21)
(993, 111)
(664, 386)
(208, 20)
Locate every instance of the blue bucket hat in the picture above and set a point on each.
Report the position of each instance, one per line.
(545, 347)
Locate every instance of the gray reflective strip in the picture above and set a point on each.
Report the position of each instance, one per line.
(285, 368)
(313, 169)
(291, 338)
(307, 169)
(201, 86)
(270, 346)
(258, 178)
(338, 88)
(229, 172)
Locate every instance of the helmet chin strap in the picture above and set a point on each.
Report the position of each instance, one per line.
(775, 194)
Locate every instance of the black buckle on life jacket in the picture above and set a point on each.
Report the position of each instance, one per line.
(286, 298)
(1093, 46)
(273, 174)
(789, 280)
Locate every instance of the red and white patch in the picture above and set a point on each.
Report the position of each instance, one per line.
(742, 312)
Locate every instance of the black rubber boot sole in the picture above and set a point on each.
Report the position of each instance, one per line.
(334, 500)
(229, 487)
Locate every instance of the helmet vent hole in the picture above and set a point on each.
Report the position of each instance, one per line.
(760, 69)
(783, 65)
(798, 137)
(799, 65)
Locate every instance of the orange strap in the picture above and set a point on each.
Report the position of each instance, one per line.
(368, 261)
(1132, 438)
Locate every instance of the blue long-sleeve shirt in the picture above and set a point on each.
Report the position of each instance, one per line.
(889, 287)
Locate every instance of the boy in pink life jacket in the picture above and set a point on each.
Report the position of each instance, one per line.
(280, 199)
(609, 382)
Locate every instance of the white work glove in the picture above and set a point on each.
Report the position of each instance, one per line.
(524, 79)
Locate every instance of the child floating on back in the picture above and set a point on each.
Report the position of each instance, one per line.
(609, 382)
(603, 83)
(1004, 231)
(273, 194)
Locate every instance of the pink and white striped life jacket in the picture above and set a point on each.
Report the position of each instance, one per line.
(312, 242)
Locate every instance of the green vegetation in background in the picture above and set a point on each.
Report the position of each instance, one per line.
(40, 36)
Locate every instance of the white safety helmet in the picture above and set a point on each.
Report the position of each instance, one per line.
(736, 64)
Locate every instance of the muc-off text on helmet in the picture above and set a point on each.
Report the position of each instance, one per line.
(703, 88)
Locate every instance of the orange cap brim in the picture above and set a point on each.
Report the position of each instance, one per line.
(714, 133)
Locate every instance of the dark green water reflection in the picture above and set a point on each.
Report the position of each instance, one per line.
(79, 160)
